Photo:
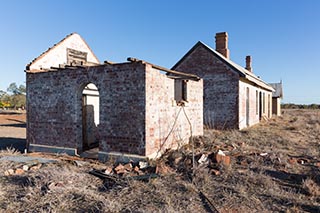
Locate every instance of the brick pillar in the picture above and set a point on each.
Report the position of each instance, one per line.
(248, 63)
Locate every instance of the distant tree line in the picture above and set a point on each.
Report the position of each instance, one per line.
(14, 97)
(300, 106)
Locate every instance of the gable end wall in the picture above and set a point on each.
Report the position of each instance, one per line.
(221, 86)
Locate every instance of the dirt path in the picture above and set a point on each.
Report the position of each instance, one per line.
(13, 131)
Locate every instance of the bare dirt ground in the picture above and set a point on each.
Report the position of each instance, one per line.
(274, 167)
(13, 130)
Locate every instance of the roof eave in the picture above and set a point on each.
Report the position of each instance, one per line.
(259, 83)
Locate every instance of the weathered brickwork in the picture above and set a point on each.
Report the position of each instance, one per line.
(251, 116)
(227, 103)
(221, 86)
(137, 109)
(167, 123)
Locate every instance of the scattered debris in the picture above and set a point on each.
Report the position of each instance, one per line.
(128, 167)
(120, 169)
(108, 171)
(19, 171)
(25, 167)
(221, 153)
(220, 157)
(203, 159)
(143, 164)
(301, 161)
(102, 175)
(9, 172)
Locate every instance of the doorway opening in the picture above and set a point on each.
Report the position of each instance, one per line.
(260, 105)
(269, 106)
(247, 107)
(90, 117)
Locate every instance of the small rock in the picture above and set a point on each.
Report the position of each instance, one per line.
(220, 157)
(11, 171)
(25, 167)
(128, 167)
(120, 169)
(301, 161)
(136, 169)
(108, 171)
(203, 159)
(221, 153)
(263, 154)
(143, 164)
(19, 171)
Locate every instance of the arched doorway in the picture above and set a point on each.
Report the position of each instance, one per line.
(90, 117)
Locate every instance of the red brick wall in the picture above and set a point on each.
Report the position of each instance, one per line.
(221, 86)
(166, 122)
(55, 107)
(137, 109)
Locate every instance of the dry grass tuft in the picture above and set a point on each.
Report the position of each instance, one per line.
(311, 187)
(9, 152)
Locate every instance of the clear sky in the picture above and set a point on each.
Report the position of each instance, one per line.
(282, 36)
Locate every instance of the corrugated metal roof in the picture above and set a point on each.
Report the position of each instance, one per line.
(278, 93)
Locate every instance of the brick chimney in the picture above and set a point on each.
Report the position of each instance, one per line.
(248, 63)
(222, 44)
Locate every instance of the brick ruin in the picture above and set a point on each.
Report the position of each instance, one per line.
(132, 109)
(136, 108)
(234, 98)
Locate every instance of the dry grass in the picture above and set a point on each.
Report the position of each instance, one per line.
(275, 182)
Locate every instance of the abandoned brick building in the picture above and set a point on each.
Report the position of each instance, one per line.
(277, 95)
(133, 108)
(233, 96)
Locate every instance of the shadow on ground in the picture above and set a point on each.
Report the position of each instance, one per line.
(16, 143)
(20, 125)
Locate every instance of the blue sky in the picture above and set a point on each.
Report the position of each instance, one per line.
(282, 36)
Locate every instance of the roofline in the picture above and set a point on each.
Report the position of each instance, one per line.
(207, 47)
(188, 75)
(273, 85)
(225, 61)
(57, 44)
